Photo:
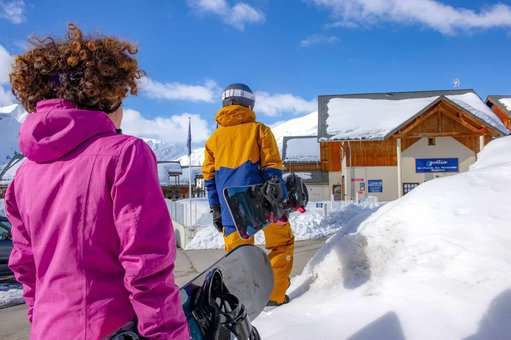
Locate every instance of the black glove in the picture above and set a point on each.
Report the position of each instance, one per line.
(217, 218)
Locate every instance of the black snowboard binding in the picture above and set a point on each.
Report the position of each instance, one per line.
(127, 332)
(297, 199)
(219, 314)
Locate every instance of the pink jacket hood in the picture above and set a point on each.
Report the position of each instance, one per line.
(58, 127)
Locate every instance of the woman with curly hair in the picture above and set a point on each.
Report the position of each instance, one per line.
(93, 241)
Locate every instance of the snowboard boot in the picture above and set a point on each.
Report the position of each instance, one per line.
(272, 303)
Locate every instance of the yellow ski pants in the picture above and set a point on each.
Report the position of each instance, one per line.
(280, 243)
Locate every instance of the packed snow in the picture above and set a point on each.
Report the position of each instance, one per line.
(10, 294)
(434, 264)
(301, 149)
(315, 223)
(361, 118)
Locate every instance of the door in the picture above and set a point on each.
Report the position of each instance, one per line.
(407, 187)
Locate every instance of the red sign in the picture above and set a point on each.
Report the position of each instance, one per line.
(357, 180)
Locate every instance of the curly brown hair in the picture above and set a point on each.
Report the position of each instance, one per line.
(94, 73)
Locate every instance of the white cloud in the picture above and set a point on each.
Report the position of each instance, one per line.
(12, 11)
(318, 39)
(179, 91)
(170, 129)
(275, 104)
(237, 15)
(441, 17)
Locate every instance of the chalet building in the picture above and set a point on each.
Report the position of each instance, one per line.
(385, 144)
(174, 180)
(501, 106)
(301, 155)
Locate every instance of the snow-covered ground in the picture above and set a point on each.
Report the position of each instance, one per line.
(435, 264)
(313, 224)
(10, 294)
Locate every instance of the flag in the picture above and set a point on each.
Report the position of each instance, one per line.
(189, 140)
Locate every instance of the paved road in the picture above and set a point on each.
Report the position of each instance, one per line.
(13, 324)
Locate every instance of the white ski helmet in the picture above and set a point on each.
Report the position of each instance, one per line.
(238, 94)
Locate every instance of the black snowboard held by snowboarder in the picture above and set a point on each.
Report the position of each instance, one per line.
(253, 207)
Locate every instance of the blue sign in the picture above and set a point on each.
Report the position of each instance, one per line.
(436, 165)
(375, 185)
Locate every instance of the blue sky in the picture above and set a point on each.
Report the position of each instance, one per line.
(288, 51)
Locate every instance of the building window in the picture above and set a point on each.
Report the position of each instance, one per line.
(431, 141)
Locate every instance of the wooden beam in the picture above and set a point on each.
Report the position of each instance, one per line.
(418, 121)
(440, 134)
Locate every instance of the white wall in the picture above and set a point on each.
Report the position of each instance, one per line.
(446, 147)
(388, 174)
(318, 192)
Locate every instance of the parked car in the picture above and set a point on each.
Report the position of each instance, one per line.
(5, 245)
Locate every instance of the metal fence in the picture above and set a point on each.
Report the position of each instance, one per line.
(180, 212)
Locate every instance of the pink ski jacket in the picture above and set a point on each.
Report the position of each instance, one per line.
(93, 241)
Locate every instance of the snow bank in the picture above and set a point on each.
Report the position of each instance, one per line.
(432, 265)
(307, 226)
(10, 294)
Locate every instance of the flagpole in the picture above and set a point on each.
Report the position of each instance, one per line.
(190, 166)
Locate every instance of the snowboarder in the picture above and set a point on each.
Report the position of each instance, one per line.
(240, 152)
(93, 241)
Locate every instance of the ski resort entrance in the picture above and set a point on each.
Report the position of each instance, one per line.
(386, 144)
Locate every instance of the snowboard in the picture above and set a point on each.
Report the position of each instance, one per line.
(249, 209)
(247, 274)
(253, 207)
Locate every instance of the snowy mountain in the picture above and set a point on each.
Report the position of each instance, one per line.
(165, 151)
(431, 265)
(302, 126)
(9, 130)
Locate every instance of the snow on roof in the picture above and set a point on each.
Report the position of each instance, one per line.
(164, 168)
(507, 103)
(376, 116)
(185, 176)
(504, 102)
(301, 149)
(8, 109)
(9, 175)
